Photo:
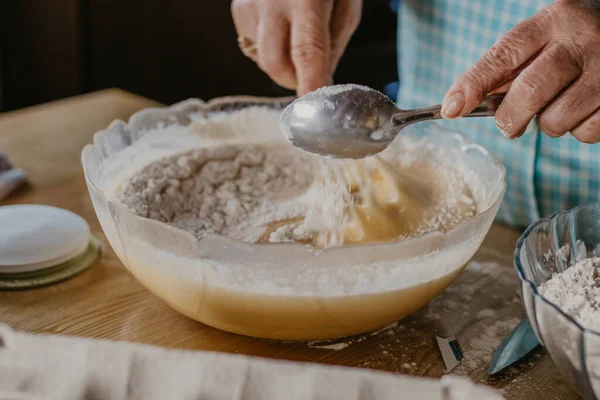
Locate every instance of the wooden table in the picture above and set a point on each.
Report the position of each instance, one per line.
(107, 302)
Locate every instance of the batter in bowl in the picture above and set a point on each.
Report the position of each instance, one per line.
(233, 227)
(271, 193)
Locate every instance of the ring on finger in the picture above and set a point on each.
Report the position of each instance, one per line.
(247, 46)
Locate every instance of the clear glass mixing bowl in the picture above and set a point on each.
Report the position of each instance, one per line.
(549, 246)
(282, 291)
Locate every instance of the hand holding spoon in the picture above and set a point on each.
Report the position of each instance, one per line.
(353, 121)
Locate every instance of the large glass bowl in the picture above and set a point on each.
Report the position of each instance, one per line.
(549, 246)
(282, 291)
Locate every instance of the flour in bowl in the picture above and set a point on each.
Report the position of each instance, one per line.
(272, 193)
(576, 291)
(230, 190)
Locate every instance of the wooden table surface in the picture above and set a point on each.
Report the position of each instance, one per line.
(107, 302)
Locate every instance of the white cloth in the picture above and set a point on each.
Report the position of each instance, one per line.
(67, 368)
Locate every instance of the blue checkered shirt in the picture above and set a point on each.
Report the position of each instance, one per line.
(437, 41)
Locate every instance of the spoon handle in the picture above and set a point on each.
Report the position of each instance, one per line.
(487, 108)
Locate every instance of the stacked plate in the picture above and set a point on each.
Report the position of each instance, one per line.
(40, 245)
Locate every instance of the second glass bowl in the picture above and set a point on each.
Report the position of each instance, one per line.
(550, 246)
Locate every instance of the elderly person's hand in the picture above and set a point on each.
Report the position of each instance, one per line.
(298, 42)
(550, 65)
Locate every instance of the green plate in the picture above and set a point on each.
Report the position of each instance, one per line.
(50, 275)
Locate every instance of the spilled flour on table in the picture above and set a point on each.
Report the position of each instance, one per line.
(479, 327)
(479, 350)
(342, 343)
(334, 346)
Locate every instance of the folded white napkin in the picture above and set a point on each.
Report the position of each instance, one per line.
(67, 368)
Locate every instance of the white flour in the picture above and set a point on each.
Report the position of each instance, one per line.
(241, 192)
(577, 292)
(479, 350)
(271, 193)
(223, 190)
(335, 346)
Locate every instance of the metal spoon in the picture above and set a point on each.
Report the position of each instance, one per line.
(353, 121)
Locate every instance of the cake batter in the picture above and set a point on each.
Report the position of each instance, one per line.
(272, 193)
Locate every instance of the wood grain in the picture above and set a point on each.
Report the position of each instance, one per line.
(107, 302)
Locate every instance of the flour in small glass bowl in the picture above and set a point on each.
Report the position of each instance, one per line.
(576, 291)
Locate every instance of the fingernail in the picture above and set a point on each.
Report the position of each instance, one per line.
(505, 134)
(452, 106)
(500, 125)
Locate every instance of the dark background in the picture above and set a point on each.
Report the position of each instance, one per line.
(167, 50)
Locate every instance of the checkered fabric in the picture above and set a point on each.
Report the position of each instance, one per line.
(437, 41)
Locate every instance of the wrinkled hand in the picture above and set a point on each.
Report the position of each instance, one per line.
(300, 42)
(550, 65)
